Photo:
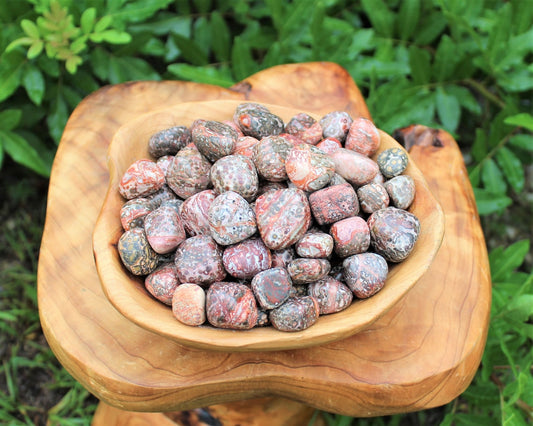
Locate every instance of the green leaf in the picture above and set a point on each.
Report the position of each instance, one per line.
(111, 36)
(87, 20)
(190, 51)
(430, 28)
(419, 62)
(465, 98)
(57, 117)
(22, 41)
(503, 264)
(30, 28)
(10, 118)
(521, 307)
(512, 168)
(488, 203)
(275, 7)
(522, 141)
(521, 120)
(381, 17)
(492, 177)
(208, 75)
(139, 10)
(10, 73)
(103, 23)
(448, 109)
(35, 49)
(243, 64)
(446, 58)
(34, 83)
(220, 37)
(23, 153)
(408, 17)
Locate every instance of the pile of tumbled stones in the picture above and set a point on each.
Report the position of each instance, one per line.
(252, 222)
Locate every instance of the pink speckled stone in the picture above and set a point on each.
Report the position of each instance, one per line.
(133, 212)
(164, 229)
(235, 173)
(269, 158)
(315, 245)
(372, 197)
(231, 305)
(142, 178)
(231, 219)
(232, 124)
(188, 304)
(304, 127)
(363, 137)
(247, 258)
(356, 168)
(245, 146)
(351, 236)
(161, 195)
(329, 145)
(296, 314)
(164, 163)
(199, 260)
(272, 287)
(283, 217)
(308, 167)
(281, 258)
(257, 121)
(303, 271)
(336, 124)
(334, 203)
(394, 233)
(331, 294)
(189, 172)
(365, 273)
(162, 282)
(194, 212)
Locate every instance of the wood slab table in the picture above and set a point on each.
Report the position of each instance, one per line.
(423, 353)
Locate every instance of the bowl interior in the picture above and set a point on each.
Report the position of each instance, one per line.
(127, 293)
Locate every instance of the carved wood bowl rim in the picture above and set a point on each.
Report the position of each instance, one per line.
(128, 295)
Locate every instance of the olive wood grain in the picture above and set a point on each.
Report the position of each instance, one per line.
(422, 353)
(129, 296)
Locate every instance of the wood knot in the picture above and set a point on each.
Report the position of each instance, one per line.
(418, 135)
(243, 87)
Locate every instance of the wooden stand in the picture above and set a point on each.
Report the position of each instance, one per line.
(421, 354)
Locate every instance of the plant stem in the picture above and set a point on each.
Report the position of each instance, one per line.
(485, 92)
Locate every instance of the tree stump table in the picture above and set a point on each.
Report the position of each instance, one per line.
(423, 353)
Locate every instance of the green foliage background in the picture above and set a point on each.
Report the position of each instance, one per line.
(465, 66)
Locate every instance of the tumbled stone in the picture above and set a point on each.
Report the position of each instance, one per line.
(169, 141)
(231, 305)
(283, 216)
(351, 236)
(304, 127)
(235, 173)
(356, 168)
(269, 158)
(315, 245)
(188, 304)
(133, 212)
(296, 314)
(214, 139)
(136, 253)
(401, 190)
(329, 145)
(308, 167)
(271, 287)
(245, 146)
(164, 163)
(336, 179)
(194, 212)
(162, 282)
(336, 124)
(394, 233)
(199, 261)
(331, 294)
(246, 259)
(175, 203)
(334, 203)
(189, 172)
(392, 162)
(372, 197)
(365, 273)
(363, 137)
(231, 219)
(281, 258)
(234, 126)
(303, 270)
(257, 121)
(161, 195)
(142, 178)
(164, 229)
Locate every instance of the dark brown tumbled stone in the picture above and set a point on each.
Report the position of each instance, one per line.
(331, 295)
(272, 287)
(365, 273)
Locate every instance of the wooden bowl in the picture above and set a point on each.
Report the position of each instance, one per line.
(129, 296)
